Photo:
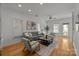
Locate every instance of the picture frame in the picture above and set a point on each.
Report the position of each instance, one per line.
(30, 25)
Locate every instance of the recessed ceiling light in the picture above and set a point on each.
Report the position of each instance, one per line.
(29, 10)
(19, 5)
(41, 3)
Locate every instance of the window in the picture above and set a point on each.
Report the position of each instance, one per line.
(56, 28)
(77, 26)
(38, 28)
(65, 29)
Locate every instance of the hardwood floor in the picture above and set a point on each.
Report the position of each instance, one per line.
(0, 52)
(65, 48)
(15, 49)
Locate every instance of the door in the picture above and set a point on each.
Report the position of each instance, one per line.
(65, 29)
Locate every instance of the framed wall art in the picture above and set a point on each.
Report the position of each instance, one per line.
(30, 25)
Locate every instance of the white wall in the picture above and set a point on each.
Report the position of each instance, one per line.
(0, 25)
(8, 16)
(61, 21)
(76, 34)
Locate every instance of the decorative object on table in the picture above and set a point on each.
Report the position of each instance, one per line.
(46, 29)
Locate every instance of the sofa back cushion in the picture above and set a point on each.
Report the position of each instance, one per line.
(34, 33)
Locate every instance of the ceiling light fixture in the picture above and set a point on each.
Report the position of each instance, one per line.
(41, 3)
(29, 10)
(19, 5)
(50, 17)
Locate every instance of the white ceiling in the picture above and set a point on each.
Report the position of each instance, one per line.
(41, 10)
